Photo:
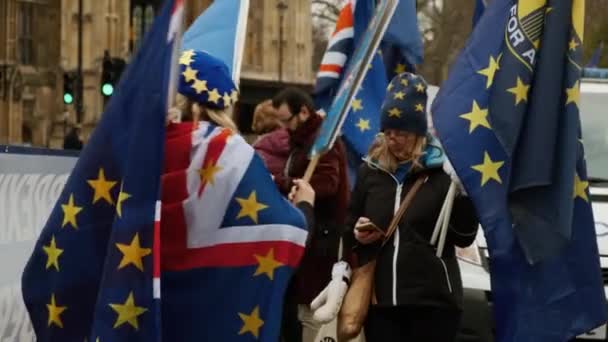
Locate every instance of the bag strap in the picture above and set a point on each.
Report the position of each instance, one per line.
(402, 208)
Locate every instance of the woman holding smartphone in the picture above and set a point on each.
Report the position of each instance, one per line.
(417, 295)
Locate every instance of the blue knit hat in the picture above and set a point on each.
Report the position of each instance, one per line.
(206, 80)
(404, 107)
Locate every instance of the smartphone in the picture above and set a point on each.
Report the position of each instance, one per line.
(368, 227)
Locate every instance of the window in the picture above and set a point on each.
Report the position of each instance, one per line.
(137, 29)
(143, 13)
(25, 50)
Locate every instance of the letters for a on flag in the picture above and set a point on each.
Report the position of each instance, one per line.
(230, 241)
(508, 118)
(90, 276)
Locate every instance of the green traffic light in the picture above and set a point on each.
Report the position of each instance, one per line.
(107, 89)
(68, 98)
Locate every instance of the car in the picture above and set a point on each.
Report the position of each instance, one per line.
(477, 323)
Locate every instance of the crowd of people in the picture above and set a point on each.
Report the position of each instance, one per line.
(415, 292)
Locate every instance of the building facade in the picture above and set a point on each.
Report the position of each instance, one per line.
(39, 43)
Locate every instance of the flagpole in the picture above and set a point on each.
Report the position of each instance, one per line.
(177, 41)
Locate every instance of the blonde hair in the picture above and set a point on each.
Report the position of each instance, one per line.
(194, 111)
(265, 118)
(380, 153)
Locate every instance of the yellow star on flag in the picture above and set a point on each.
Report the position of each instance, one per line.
(400, 68)
(490, 71)
(207, 174)
(420, 88)
(489, 169)
(199, 86)
(189, 74)
(404, 82)
(357, 105)
(102, 187)
(55, 312)
(70, 211)
(251, 323)
(52, 254)
(250, 207)
(574, 94)
(234, 95)
(520, 91)
(580, 188)
(363, 125)
(267, 264)
(419, 107)
(477, 117)
(389, 87)
(214, 96)
(127, 312)
(133, 253)
(573, 44)
(227, 100)
(186, 57)
(399, 95)
(394, 112)
(122, 196)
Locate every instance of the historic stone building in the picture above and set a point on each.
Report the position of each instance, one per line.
(39, 43)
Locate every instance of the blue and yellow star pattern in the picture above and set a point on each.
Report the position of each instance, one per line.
(508, 118)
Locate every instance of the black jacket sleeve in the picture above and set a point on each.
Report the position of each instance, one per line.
(309, 214)
(463, 222)
(355, 253)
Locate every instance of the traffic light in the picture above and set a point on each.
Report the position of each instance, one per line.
(69, 87)
(112, 69)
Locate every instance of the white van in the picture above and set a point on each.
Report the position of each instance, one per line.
(477, 322)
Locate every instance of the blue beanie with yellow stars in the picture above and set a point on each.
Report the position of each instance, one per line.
(206, 80)
(404, 106)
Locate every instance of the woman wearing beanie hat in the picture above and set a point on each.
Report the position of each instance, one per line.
(417, 295)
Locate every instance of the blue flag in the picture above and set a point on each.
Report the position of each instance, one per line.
(480, 7)
(219, 30)
(508, 118)
(90, 276)
(403, 33)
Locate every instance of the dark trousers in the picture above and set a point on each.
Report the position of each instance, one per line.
(291, 328)
(410, 323)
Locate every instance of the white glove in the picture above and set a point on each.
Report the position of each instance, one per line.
(449, 170)
(327, 304)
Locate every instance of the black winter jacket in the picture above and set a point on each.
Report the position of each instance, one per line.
(408, 271)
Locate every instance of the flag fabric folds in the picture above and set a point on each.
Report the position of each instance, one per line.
(91, 274)
(230, 241)
(508, 118)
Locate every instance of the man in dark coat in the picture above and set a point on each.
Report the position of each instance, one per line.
(295, 110)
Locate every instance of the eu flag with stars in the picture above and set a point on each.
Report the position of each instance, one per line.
(508, 118)
(90, 276)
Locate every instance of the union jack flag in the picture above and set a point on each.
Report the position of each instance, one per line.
(230, 241)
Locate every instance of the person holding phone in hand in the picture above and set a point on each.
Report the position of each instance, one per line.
(417, 295)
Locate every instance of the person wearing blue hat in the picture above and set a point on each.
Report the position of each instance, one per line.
(208, 90)
(418, 296)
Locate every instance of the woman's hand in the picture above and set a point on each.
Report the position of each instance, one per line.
(302, 191)
(365, 237)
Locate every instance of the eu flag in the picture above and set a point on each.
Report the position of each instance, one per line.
(508, 118)
(90, 276)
